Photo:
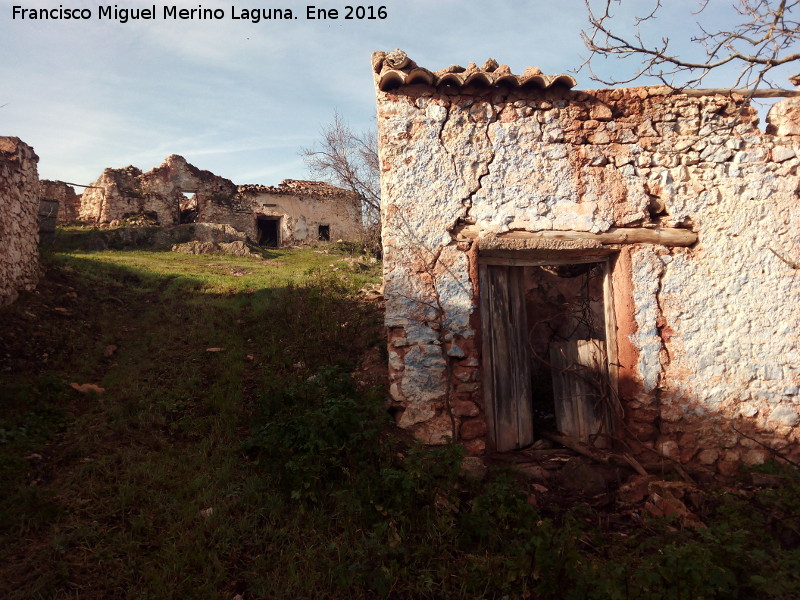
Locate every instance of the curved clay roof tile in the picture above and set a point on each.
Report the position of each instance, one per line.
(480, 78)
(396, 69)
(548, 81)
(539, 81)
(396, 59)
(420, 75)
(565, 80)
(390, 80)
(455, 79)
(511, 80)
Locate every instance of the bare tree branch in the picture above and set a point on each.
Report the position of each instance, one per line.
(350, 161)
(764, 38)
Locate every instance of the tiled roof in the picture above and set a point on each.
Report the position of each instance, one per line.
(296, 187)
(395, 69)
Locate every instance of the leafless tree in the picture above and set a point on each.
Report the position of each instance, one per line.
(763, 38)
(348, 160)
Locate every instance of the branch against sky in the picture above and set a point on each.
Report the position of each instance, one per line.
(348, 160)
(764, 36)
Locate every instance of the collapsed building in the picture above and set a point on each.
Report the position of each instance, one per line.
(19, 209)
(619, 265)
(176, 192)
(69, 202)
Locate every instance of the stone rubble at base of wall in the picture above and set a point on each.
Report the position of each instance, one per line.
(708, 335)
(19, 228)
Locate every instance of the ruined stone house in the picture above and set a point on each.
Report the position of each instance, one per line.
(300, 211)
(19, 230)
(619, 265)
(69, 202)
(293, 212)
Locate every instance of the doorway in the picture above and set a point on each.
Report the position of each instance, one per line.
(546, 356)
(188, 207)
(268, 231)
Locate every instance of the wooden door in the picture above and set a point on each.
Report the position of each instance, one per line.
(580, 385)
(506, 361)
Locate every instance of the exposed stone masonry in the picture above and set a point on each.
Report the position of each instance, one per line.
(178, 192)
(120, 193)
(69, 203)
(302, 207)
(297, 186)
(19, 207)
(706, 337)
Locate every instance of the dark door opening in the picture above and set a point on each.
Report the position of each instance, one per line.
(268, 231)
(324, 234)
(545, 352)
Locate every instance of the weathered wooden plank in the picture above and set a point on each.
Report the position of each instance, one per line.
(519, 359)
(562, 356)
(487, 360)
(667, 236)
(665, 90)
(507, 370)
(580, 411)
(762, 93)
(538, 258)
(499, 316)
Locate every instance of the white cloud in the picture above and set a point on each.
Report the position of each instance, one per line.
(241, 98)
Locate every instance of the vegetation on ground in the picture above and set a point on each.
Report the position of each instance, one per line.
(237, 444)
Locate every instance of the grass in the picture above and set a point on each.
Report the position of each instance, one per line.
(111, 491)
(241, 447)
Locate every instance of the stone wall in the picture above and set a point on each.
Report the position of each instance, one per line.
(69, 203)
(19, 230)
(706, 336)
(304, 206)
(159, 193)
(180, 192)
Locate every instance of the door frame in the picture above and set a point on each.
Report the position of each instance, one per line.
(535, 258)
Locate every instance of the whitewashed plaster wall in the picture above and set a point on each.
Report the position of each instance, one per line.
(708, 335)
(301, 215)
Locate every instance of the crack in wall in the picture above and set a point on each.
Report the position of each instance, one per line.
(469, 200)
(662, 327)
(445, 121)
(648, 270)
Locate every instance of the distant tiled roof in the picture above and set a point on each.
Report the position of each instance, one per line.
(296, 187)
(395, 69)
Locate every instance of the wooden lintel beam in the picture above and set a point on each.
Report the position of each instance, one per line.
(758, 93)
(619, 235)
(744, 92)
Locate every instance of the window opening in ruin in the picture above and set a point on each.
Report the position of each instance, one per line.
(324, 234)
(268, 231)
(546, 357)
(188, 208)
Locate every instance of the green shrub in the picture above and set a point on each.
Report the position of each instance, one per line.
(315, 432)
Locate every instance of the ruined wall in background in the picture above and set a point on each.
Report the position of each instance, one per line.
(19, 229)
(69, 203)
(121, 193)
(303, 206)
(707, 335)
(178, 188)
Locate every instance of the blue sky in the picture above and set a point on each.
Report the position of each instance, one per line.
(241, 99)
